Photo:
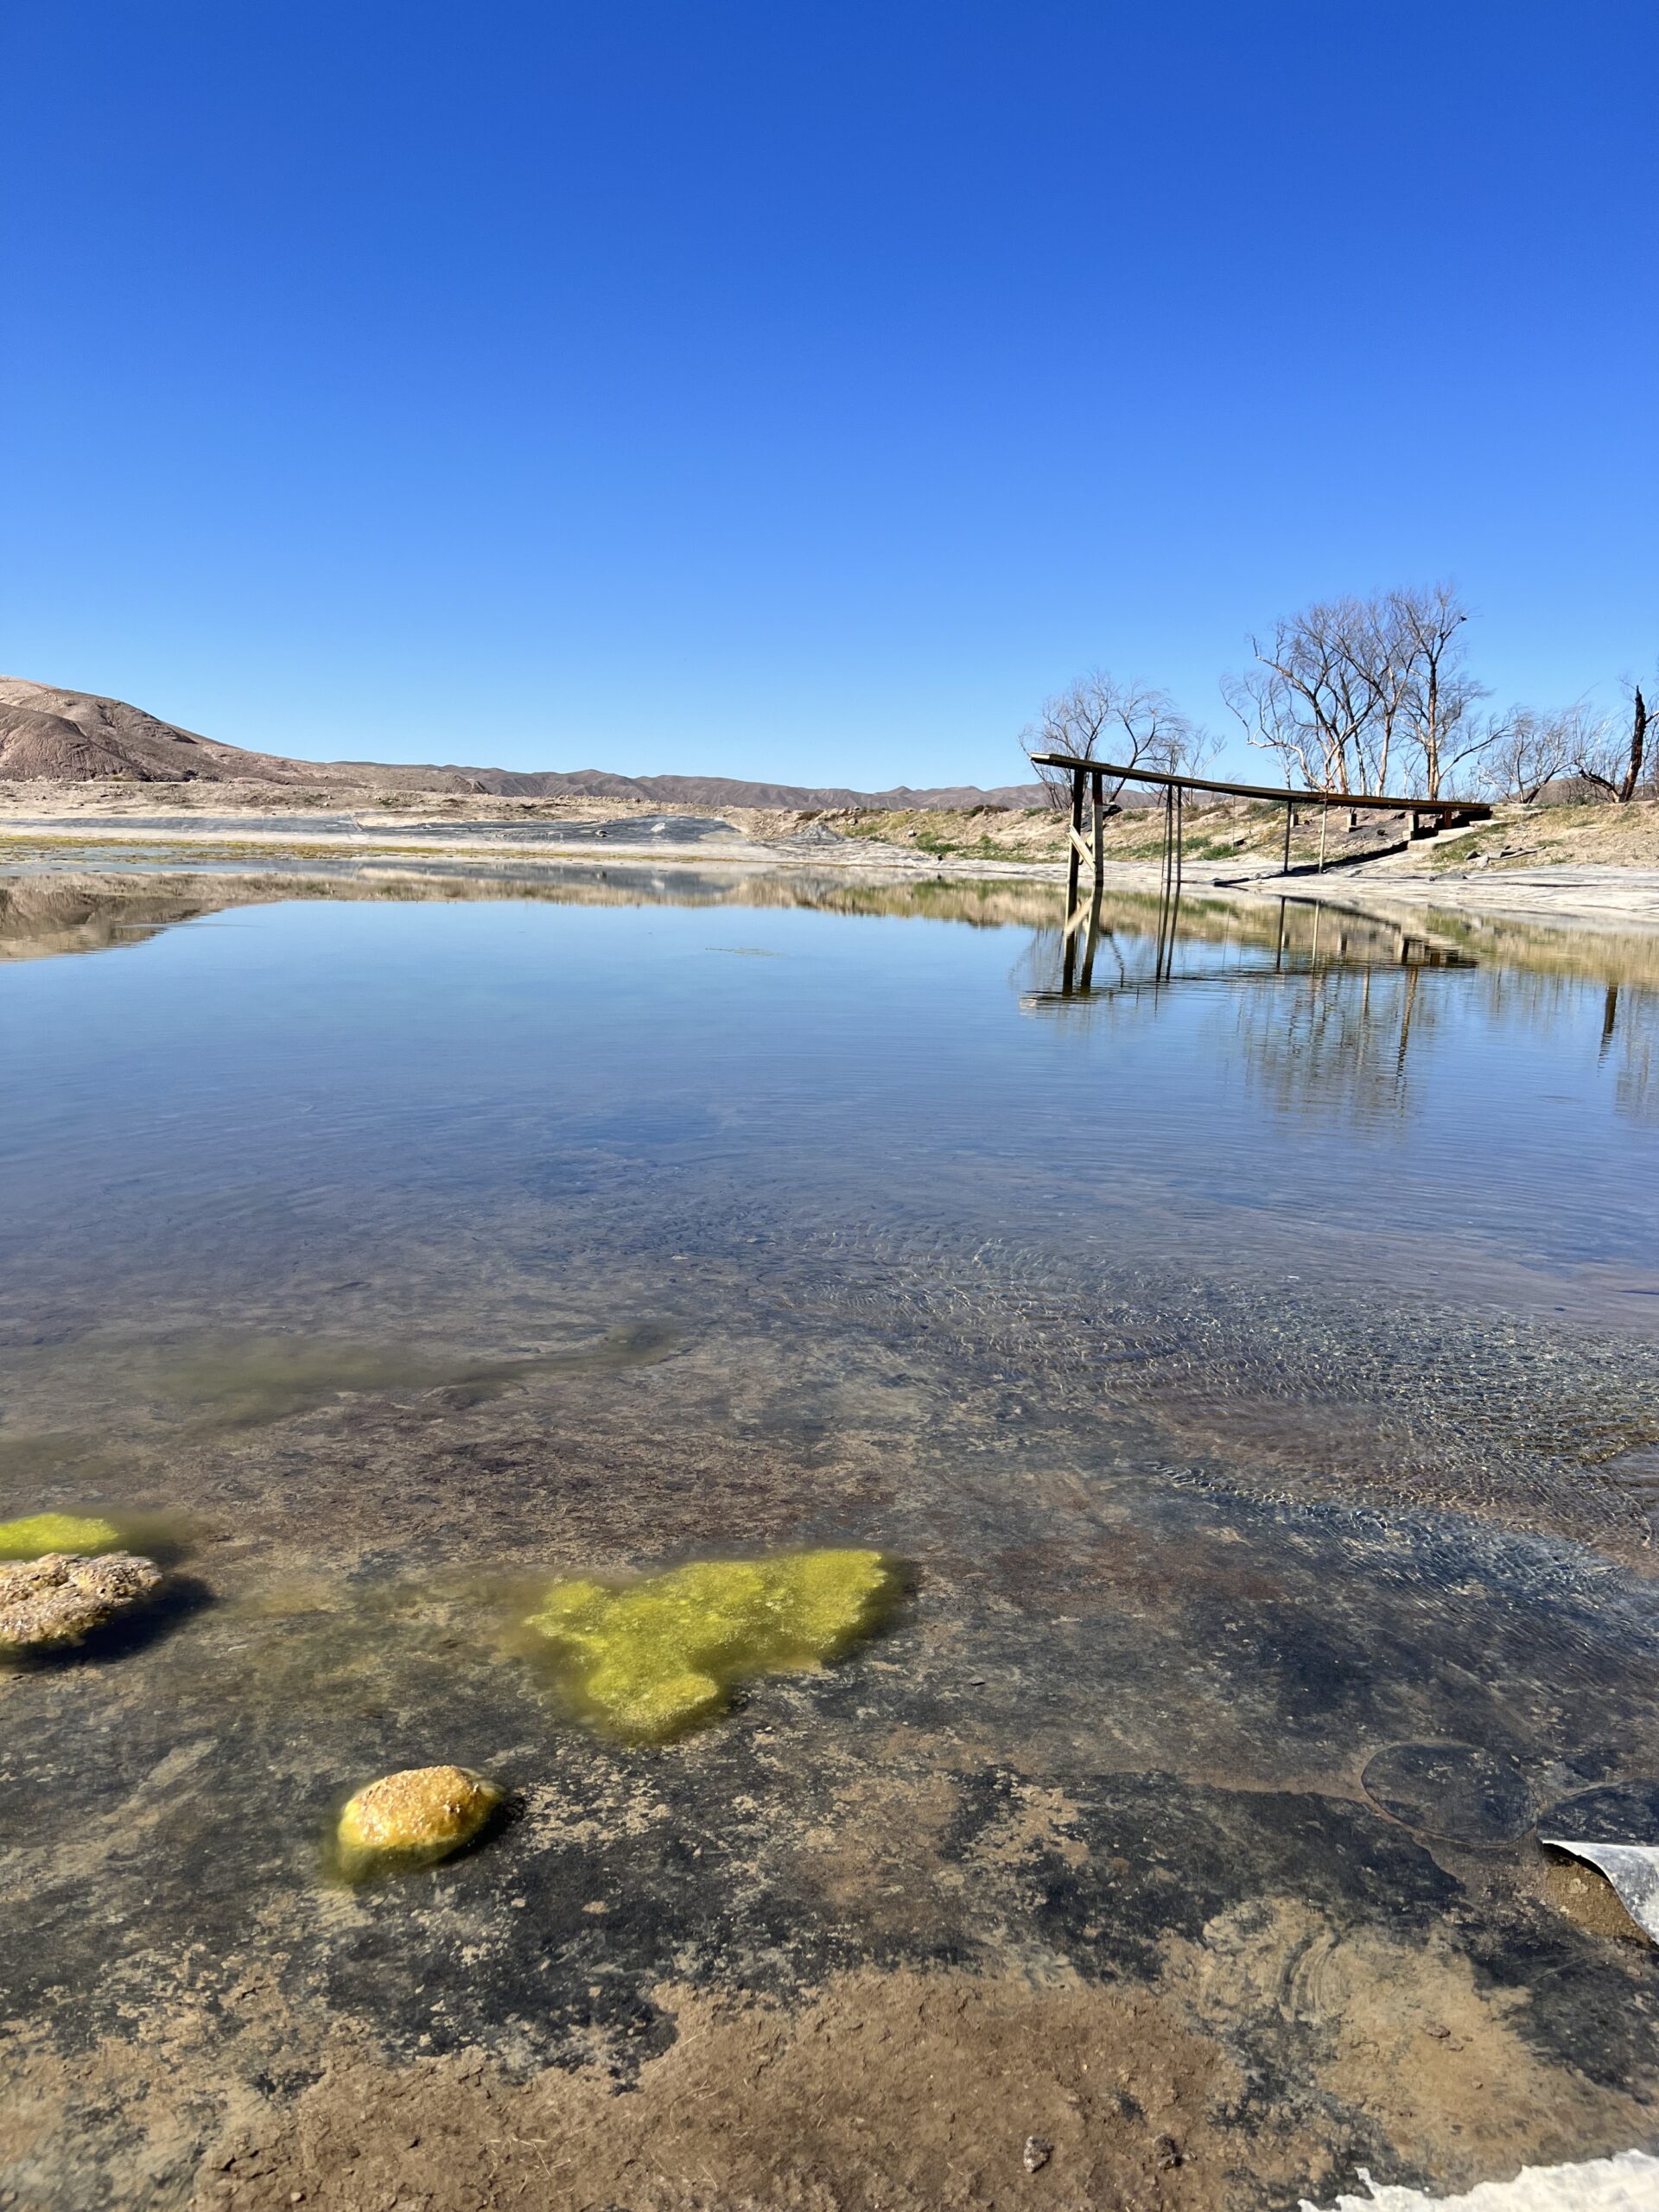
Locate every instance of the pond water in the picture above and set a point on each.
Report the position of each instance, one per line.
(1245, 1335)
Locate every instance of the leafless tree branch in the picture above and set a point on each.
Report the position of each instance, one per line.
(1133, 724)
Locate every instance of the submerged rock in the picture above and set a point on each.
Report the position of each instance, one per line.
(413, 1819)
(649, 1659)
(36, 1533)
(1463, 1792)
(57, 1600)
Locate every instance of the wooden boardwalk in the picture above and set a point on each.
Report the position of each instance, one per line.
(1428, 815)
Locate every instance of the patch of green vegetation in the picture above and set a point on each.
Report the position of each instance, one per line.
(37, 1534)
(645, 1660)
(941, 837)
(981, 849)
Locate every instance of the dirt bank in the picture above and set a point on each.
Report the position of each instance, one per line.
(1566, 862)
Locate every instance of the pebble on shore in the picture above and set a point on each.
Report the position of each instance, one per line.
(412, 1819)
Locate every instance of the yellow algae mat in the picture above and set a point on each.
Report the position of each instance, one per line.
(40, 1533)
(645, 1660)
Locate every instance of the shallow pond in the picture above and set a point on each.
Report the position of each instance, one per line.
(1244, 1336)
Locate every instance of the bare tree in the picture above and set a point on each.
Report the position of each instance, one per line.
(1425, 629)
(1313, 697)
(1378, 642)
(1526, 749)
(1612, 759)
(1132, 725)
(1346, 687)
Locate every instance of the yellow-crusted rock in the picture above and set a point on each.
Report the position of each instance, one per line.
(57, 1600)
(413, 1819)
(646, 1660)
(37, 1534)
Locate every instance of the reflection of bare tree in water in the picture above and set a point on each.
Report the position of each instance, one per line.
(1326, 1003)
(1630, 1038)
(1337, 1037)
(1330, 1001)
(1622, 1013)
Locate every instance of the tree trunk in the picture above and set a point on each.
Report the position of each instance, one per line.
(1638, 746)
(1623, 790)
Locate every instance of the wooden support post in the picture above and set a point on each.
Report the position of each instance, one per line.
(1098, 798)
(1284, 870)
(1167, 887)
(1091, 938)
(1324, 818)
(1076, 846)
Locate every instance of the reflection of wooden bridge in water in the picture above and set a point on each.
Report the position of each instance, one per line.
(1354, 940)
(1429, 817)
(1325, 1006)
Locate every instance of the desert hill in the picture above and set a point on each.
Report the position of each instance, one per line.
(72, 737)
(48, 735)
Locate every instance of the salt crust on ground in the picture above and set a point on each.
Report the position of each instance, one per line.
(1628, 2183)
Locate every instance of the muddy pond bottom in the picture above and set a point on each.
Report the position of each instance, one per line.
(1251, 1435)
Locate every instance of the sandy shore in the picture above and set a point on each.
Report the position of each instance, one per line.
(1567, 894)
(56, 825)
(602, 841)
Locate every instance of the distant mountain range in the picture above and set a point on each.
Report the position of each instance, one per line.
(74, 737)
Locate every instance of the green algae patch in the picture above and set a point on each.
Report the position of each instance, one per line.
(647, 1659)
(37, 1534)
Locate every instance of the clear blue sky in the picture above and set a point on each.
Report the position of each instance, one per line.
(804, 392)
